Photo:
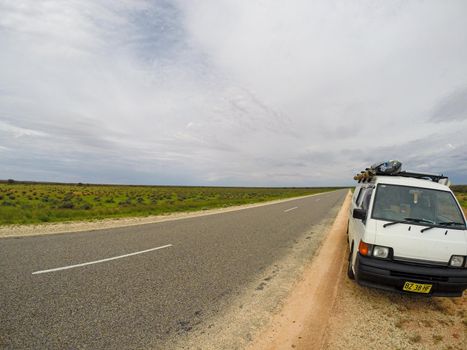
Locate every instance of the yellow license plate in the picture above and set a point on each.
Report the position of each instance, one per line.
(417, 287)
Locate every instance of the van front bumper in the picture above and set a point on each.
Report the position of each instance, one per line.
(392, 275)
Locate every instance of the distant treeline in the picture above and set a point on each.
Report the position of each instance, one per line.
(12, 181)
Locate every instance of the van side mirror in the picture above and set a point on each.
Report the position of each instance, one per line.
(359, 214)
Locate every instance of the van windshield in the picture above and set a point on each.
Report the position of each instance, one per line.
(417, 205)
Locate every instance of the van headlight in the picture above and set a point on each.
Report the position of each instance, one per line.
(375, 251)
(380, 252)
(457, 261)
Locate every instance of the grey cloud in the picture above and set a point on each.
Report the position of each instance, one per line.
(156, 33)
(452, 107)
(229, 93)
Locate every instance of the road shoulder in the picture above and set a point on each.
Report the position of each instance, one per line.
(302, 320)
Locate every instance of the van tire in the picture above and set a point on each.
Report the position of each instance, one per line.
(350, 273)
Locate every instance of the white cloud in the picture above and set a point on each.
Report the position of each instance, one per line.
(230, 92)
(18, 132)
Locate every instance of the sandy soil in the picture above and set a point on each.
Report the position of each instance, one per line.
(79, 226)
(386, 320)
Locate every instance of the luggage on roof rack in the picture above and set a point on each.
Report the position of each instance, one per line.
(387, 168)
(393, 168)
(390, 167)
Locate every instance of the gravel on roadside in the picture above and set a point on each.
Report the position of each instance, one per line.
(374, 319)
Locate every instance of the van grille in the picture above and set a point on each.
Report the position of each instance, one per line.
(419, 262)
(419, 277)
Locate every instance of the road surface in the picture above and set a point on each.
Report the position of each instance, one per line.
(141, 286)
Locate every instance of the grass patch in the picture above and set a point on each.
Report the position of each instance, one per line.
(461, 193)
(27, 203)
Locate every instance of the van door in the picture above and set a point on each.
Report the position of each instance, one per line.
(355, 199)
(359, 227)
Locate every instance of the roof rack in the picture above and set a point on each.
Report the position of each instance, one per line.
(392, 168)
(424, 176)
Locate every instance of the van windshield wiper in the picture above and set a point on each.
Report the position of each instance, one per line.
(408, 220)
(445, 223)
(419, 220)
(450, 223)
(393, 223)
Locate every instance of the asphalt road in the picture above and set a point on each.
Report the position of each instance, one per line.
(142, 300)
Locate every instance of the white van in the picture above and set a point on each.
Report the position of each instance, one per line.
(407, 233)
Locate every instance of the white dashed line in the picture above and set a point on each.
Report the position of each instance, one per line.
(100, 261)
(285, 211)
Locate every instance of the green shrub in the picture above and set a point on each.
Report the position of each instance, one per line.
(67, 205)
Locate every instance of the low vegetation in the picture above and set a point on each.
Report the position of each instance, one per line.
(461, 194)
(23, 203)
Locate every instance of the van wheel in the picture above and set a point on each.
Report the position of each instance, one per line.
(350, 273)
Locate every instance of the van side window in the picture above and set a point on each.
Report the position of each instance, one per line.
(366, 198)
(359, 195)
(363, 200)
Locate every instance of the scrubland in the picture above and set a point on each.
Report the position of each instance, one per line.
(27, 203)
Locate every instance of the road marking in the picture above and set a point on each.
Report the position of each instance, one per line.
(285, 211)
(102, 260)
(317, 199)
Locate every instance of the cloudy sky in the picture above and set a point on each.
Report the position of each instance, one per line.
(229, 92)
